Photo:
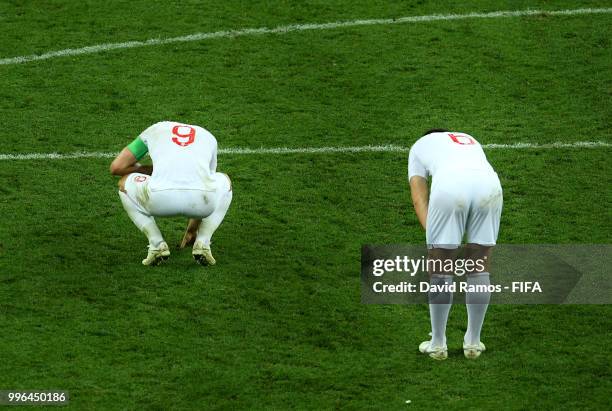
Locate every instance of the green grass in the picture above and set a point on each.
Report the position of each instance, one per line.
(277, 324)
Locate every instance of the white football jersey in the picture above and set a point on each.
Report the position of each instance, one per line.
(451, 150)
(184, 156)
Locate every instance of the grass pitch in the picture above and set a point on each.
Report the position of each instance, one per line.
(277, 324)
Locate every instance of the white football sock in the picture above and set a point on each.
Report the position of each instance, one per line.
(213, 221)
(439, 308)
(476, 304)
(144, 222)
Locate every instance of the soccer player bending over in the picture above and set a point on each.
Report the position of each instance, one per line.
(466, 198)
(182, 182)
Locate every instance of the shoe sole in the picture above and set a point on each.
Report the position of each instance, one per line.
(438, 357)
(472, 354)
(200, 259)
(474, 351)
(160, 259)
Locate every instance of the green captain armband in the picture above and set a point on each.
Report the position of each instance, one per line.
(138, 148)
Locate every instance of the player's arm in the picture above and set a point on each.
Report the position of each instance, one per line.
(126, 161)
(419, 190)
(420, 198)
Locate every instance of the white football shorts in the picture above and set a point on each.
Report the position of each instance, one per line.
(464, 202)
(179, 202)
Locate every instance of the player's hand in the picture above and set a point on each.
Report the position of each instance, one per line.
(188, 239)
(190, 233)
(148, 170)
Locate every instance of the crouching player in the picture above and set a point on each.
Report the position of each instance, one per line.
(466, 199)
(182, 182)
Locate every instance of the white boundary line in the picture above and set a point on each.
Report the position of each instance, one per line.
(293, 28)
(389, 148)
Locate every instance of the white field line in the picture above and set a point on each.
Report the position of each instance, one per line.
(389, 148)
(293, 28)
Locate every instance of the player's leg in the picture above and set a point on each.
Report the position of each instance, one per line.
(445, 226)
(476, 299)
(208, 226)
(482, 230)
(440, 302)
(133, 195)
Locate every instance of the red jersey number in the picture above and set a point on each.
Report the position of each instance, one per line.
(462, 139)
(183, 135)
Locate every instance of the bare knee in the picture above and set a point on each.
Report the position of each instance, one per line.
(437, 258)
(479, 253)
(121, 183)
(473, 250)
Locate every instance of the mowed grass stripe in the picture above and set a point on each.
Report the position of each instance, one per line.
(98, 48)
(312, 150)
